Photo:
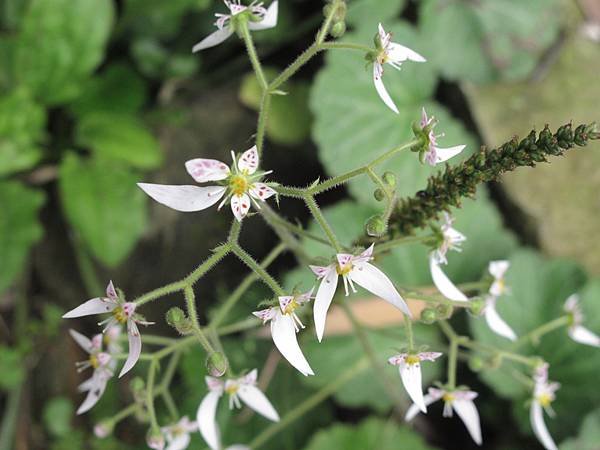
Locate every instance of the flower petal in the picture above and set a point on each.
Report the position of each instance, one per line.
(284, 337)
(414, 409)
(467, 411)
(496, 323)
(497, 269)
(98, 305)
(213, 39)
(412, 381)
(203, 170)
(399, 53)
(207, 421)
(444, 154)
(443, 283)
(584, 336)
(181, 442)
(380, 87)
(536, 415)
(240, 205)
(111, 292)
(269, 21)
(184, 198)
(375, 281)
(323, 300)
(248, 162)
(255, 399)
(135, 349)
(261, 191)
(238, 447)
(83, 341)
(95, 388)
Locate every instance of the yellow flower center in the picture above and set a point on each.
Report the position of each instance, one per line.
(544, 400)
(412, 359)
(291, 306)
(232, 388)
(238, 184)
(501, 284)
(343, 270)
(120, 315)
(448, 397)
(94, 361)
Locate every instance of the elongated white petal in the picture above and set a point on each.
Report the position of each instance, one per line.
(207, 422)
(213, 39)
(415, 409)
(498, 268)
(203, 170)
(497, 324)
(375, 281)
(240, 205)
(444, 154)
(248, 162)
(270, 19)
(238, 447)
(399, 53)
(96, 305)
(181, 442)
(467, 411)
(584, 336)
(95, 388)
(261, 191)
(255, 399)
(283, 332)
(381, 90)
(323, 299)
(536, 415)
(135, 349)
(443, 283)
(411, 379)
(83, 341)
(184, 198)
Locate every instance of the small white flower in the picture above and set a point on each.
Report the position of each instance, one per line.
(434, 154)
(261, 18)
(543, 396)
(121, 313)
(393, 54)
(578, 332)
(498, 288)
(240, 185)
(409, 366)
(460, 401)
(155, 441)
(239, 390)
(451, 240)
(353, 269)
(284, 326)
(99, 361)
(178, 435)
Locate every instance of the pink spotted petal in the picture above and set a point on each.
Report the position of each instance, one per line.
(248, 162)
(261, 191)
(240, 205)
(203, 170)
(269, 21)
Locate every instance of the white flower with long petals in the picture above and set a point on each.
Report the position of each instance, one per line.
(409, 366)
(577, 331)
(460, 401)
(284, 326)
(434, 154)
(121, 313)
(391, 53)
(260, 18)
(240, 185)
(178, 435)
(543, 396)
(353, 269)
(498, 288)
(239, 390)
(450, 240)
(100, 362)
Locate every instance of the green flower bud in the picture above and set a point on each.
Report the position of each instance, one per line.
(104, 429)
(476, 306)
(137, 384)
(327, 9)
(428, 316)
(175, 316)
(375, 226)
(216, 364)
(389, 178)
(338, 29)
(476, 363)
(379, 194)
(443, 311)
(155, 439)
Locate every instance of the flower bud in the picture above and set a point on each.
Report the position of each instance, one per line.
(104, 429)
(428, 316)
(476, 306)
(476, 363)
(389, 178)
(379, 194)
(177, 319)
(338, 29)
(443, 311)
(375, 226)
(137, 386)
(155, 440)
(216, 364)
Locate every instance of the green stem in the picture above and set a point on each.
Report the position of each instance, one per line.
(536, 334)
(150, 395)
(263, 118)
(452, 358)
(190, 301)
(345, 46)
(433, 299)
(320, 218)
(409, 333)
(308, 404)
(388, 245)
(324, 30)
(245, 32)
(258, 270)
(10, 416)
(170, 404)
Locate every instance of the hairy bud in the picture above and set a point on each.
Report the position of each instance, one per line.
(177, 318)
(379, 194)
(338, 29)
(216, 364)
(389, 178)
(428, 316)
(375, 226)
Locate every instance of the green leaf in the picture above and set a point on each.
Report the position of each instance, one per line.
(19, 228)
(118, 89)
(121, 137)
(60, 44)
(20, 134)
(353, 126)
(367, 14)
(539, 289)
(589, 434)
(12, 370)
(57, 416)
(369, 434)
(104, 205)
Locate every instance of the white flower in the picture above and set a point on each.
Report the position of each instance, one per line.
(451, 240)
(178, 435)
(409, 366)
(543, 396)
(100, 362)
(578, 332)
(353, 269)
(434, 154)
(393, 54)
(497, 269)
(284, 326)
(240, 185)
(121, 313)
(243, 389)
(458, 400)
(261, 18)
